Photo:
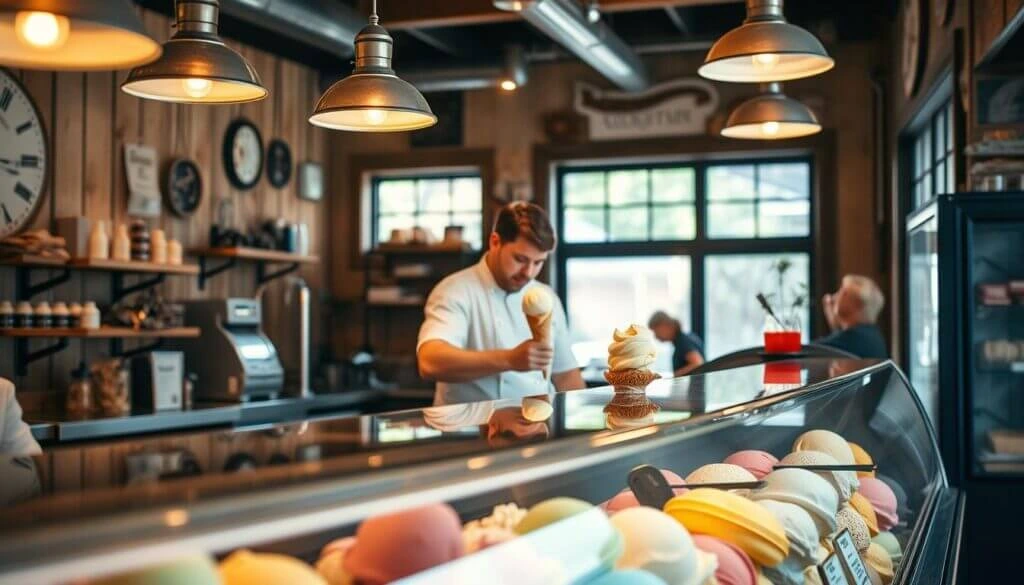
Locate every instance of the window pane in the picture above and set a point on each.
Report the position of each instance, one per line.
(673, 222)
(950, 174)
(673, 185)
(467, 194)
(396, 197)
(733, 318)
(386, 223)
(731, 182)
(940, 177)
(784, 181)
(584, 225)
(632, 288)
(784, 218)
(926, 186)
(949, 128)
(434, 223)
(471, 227)
(583, 188)
(926, 148)
(627, 187)
(628, 224)
(940, 134)
(434, 195)
(918, 157)
(731, 220)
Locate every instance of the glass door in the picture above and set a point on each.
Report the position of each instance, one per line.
(923, 314)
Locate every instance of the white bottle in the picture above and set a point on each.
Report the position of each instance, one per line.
(90, 316)
(99, 244)
(121, 248)
(158, 247)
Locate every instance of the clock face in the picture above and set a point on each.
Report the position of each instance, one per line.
(913, 46)
(279, 163)
(23, 156)
(184, 187)
(243, 154)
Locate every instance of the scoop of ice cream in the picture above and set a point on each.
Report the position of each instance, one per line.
(632, 349)
(805, 489)
(477, 538)
(878, 559)
(863, 507)
(758, 463)
(656, 543)
(549, 512)
(849, 519)
(191, 570)
(734, 566)
(800, 530)
(883, 502)
(536, 409)
(537, 302)
(888, 541)
(862, 457)
(244, 567)
(628, 577)
(331, 564)
(720, 473)
(845, 482)
(826, 442)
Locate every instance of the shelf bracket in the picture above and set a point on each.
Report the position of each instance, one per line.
(117, 348)
(263, 277)
(206, 274)
(27, 290)
(23, 357)
(120, 290)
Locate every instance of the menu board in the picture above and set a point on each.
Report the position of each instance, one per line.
(847, 552)
(832, 572)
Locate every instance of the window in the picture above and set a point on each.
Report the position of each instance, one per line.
(431, 202)
(932, 155)
(694, 239)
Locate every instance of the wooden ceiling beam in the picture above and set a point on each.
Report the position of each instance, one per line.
(398, 15)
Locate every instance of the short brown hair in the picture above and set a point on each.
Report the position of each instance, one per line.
(527, 220)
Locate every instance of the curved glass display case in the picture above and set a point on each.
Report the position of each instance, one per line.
(293, 488)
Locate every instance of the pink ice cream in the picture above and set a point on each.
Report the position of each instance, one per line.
(758, 463)
(883, 500)
(734, 566)
(627, 499)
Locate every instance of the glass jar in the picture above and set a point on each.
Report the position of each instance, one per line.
(112, 390)
(80, 402)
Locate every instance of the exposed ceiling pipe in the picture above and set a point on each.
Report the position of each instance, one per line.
(509, 77)
(326, 24)
(565, 22)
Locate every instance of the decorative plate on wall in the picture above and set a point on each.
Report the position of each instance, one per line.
(243, 154)
(24, 156)
(184, 187)
(913, 44)
(279, 163)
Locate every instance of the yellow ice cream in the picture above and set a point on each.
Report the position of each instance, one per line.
(537, 302)
(632, 349)
(244, 567)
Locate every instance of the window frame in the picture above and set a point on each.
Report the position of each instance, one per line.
(427, 175)
(701, 246)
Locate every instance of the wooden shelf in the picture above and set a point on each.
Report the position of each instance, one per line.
(398, 304)
(256, 254)
(32, 261)
(103, 333)
(132, 266)
(414, 250)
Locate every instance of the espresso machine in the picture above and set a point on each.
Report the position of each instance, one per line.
(233, 358)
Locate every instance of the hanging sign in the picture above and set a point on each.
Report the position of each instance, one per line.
(680, 107)
(143, 189)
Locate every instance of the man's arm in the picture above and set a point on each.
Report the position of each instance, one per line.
(693, 359)
(443, 362)
(568, 380)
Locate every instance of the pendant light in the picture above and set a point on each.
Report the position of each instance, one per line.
(765, 48)
(73, 35)
(771, 116)
(196, 67)
(373, 98)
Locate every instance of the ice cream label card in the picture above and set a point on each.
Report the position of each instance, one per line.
(831, 571)
(847, 551)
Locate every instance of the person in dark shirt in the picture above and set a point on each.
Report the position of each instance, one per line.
(689, 351)
(852, 312)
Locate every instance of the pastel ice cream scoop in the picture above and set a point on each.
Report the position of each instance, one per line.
(849, 519)
(628, 577)
(632, 348)
(805, 489)
(720, 473)
(538, 306)
(863, 507)
(654, 542)
(844, 482)
(878, 559)
(887, 540)
(492, 530)
(861, 457)
(826, 442)
(627, 499)
(536, 409)
(392, 546)
(758, 463)
(190, 570)
(800, 530)
(549, 512)
(734, 565)
(883, 501)
(244, 567)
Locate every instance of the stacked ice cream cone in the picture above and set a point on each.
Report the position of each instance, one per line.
(539, 307)
(629, 356)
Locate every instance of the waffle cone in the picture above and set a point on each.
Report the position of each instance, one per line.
(638, 379)
(631, 405)
(540, 328)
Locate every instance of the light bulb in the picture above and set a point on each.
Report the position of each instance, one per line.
(197, 88)
(375, 117)
(769, 128)
(517, 6)
(508, 85)
(765, 61)
(41, 30)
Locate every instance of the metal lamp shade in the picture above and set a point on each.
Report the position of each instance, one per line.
(230, 78)
(765, 48)
(94, 35)
(371, 102)
(771, 116)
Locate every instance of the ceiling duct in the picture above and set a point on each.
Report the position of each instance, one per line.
(565, 22)
(511, 76)
(325, 24)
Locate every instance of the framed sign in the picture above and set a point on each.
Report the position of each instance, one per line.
(831, 571)
(999, 101)
(681, 107)
(846, 550)
(143, 176)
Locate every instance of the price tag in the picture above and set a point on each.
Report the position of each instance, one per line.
(831, 571)
(846, 549)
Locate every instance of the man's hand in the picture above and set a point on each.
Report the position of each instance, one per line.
(530, 355)
(828, 306)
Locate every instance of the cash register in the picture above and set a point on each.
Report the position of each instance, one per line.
(233, 359)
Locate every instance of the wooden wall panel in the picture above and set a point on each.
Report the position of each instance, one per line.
(89, 120)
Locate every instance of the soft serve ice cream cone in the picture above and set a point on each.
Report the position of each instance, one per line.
(629, 355)
(538, 307)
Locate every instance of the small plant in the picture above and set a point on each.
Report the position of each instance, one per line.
(786, 313)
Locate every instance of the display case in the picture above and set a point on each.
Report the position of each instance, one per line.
(341, 471)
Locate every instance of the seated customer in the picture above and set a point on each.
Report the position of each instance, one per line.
(689, 351)
(20, 480)
(851, 313)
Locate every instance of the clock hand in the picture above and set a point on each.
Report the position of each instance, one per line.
(13, 172)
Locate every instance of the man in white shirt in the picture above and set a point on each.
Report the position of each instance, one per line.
(15, 436)
(475, 341)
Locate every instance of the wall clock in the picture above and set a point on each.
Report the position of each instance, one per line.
(943, 10)
(913, 46)
(243, 154)
(184, 187)
(279, 163)
(24, 156)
